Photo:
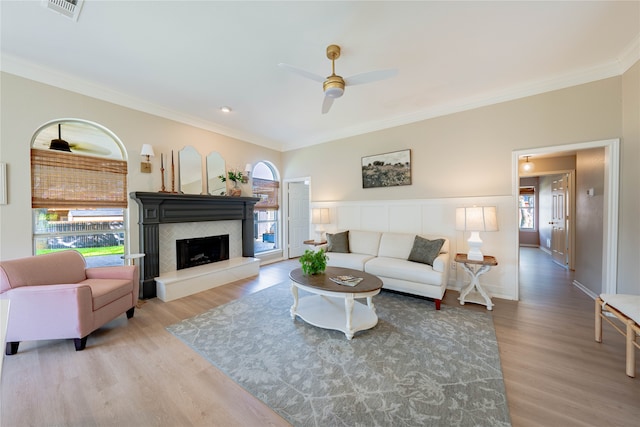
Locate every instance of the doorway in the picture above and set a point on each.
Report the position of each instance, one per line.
(297, 217)
(610, 208)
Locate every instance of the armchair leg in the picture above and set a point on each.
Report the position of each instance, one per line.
(80, 343)
(438, 301)
(130, 312)
(12, 348)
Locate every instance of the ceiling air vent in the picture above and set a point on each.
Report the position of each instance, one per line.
(68, 8)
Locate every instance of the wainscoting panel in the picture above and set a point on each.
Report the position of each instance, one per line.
(374, 217)
(405, 219)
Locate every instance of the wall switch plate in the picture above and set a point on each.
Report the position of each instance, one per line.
(453, 265)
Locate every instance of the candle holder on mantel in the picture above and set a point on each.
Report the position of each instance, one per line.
(173, 175)
(163, 189)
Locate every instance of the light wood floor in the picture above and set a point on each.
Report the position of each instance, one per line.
(134, 373)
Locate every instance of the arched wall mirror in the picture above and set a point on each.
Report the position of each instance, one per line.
(190, 163)
(215, 168)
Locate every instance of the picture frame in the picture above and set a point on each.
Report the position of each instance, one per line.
(387, 170)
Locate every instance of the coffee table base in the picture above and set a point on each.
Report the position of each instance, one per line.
(341, 313)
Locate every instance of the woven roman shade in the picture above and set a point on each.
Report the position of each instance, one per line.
(65, 180)
(267, 191)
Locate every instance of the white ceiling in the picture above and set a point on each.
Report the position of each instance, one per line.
(185, 59)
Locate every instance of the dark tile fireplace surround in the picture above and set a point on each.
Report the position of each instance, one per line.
(166, 208)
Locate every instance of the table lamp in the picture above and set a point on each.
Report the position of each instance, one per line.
(476, 219)
(319, 216)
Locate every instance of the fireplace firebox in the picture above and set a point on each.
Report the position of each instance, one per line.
(201, 250)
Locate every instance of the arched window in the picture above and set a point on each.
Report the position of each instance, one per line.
(79, 191)
(266, 220)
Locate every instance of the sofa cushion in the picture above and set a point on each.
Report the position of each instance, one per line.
(424, 250)
(338, 242)
(105, 291)
(396, 245)
(403, 270)
(351, 260)
(364, 242)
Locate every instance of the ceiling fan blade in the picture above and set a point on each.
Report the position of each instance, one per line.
(326, 104)
(301, 72)
(89, 149)
(371, 76)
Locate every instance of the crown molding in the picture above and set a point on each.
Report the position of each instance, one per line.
(13, 65)
(587, 75)
(629, 56)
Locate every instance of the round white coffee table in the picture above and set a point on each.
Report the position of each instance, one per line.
(334, 306)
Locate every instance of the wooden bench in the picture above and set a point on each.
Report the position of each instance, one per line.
(626, 308)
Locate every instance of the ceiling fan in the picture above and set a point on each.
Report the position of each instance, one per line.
(333, 85)
(60, 144)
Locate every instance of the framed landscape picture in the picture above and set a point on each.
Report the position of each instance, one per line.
(387, 170)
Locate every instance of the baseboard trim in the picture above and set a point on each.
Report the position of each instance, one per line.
(584, 289)
(543, 249)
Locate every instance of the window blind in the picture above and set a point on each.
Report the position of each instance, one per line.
(60, 179)
(267, 191)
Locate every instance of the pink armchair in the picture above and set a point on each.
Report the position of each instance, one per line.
(55, 296)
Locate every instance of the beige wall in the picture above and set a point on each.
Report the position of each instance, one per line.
(469, 154)
(590, 166)
(26, 105)
(629, 243)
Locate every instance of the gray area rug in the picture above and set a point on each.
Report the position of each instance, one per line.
(417, 367)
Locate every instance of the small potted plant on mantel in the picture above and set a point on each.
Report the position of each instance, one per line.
(236, 177)
(313, 262)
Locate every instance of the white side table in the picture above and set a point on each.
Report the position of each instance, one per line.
(130, 259)
(314, 243)
(474, 292)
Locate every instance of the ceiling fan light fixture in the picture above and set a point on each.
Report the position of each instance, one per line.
(334, 92)
(333, 86)
(59, 145)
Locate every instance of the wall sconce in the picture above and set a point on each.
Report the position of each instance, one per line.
(320, 216)
(147, 150)
(247, 173)
(476, 219)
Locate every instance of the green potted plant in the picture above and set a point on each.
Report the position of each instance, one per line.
(234, 176)
(313, 262)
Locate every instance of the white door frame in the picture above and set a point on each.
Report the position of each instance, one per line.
(611, 203)
(285, 211)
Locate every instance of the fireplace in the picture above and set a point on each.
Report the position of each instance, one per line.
(155, 209)
(201, 250)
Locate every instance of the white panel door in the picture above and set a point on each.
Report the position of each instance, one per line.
(298, 194)
(559, 217)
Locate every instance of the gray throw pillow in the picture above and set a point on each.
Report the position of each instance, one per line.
(425, 250)
(338, 242)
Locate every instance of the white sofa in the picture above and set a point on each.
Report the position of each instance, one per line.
(386, 254)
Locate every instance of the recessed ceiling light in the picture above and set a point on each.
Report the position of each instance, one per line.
(225, 109)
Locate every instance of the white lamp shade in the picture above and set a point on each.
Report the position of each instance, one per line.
(320, 216)
(147, 150)
(482, 218)
(247, 168)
